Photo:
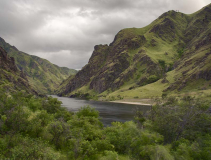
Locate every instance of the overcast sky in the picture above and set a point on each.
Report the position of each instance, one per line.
(66, 31)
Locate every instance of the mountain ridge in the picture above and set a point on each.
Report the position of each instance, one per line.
(140, 57)
(43, 76)
(11, 78)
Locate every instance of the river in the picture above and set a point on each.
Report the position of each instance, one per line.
(108, 111)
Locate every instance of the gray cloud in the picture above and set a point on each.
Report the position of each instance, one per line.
(65, 31)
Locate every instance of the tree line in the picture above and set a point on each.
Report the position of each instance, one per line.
(39, 128)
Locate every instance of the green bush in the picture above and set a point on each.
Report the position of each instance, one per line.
(180, 52)
(39, 128)
(51, 105)
(162, 63)
(87, 111)
(152, 79)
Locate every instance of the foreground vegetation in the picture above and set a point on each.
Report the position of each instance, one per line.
(39, 128)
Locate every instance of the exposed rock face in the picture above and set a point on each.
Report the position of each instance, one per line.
(175, 41)
(196, 64)
(7, 63)
(165, 30)
(9, 73)
(164, 80)
(109, 66)
(84, 76)
(163, 27)
(103, 69)
(205, 41)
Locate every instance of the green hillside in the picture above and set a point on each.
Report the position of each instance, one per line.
(43, 76)
(12, 79)
(169, 56)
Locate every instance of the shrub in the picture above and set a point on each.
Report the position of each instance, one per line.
(162, 63)
(180, 52)
(152, 79)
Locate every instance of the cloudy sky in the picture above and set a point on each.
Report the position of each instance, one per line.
(66, 31)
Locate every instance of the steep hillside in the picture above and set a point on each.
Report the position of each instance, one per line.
(43, 76)
(169, 55)
(11, 78)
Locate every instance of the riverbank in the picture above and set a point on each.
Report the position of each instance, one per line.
(109, 112)
(143, 102)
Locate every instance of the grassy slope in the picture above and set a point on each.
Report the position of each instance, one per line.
(11, 79)
(173, 39)
(156, 53)
(43, 76)
(197, 88)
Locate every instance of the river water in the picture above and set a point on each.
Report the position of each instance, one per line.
(108, 111)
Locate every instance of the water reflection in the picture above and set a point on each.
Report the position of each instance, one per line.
(109, 112)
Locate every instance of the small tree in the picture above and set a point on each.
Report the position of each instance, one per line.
(162, 63)
(180, 119)
(59, 131)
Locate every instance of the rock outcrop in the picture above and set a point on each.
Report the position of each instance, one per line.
(11, 78)
(43, 76)
(141, 56)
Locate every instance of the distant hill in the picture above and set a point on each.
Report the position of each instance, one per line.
(170, 55)
(11, 78)
(43, 76)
